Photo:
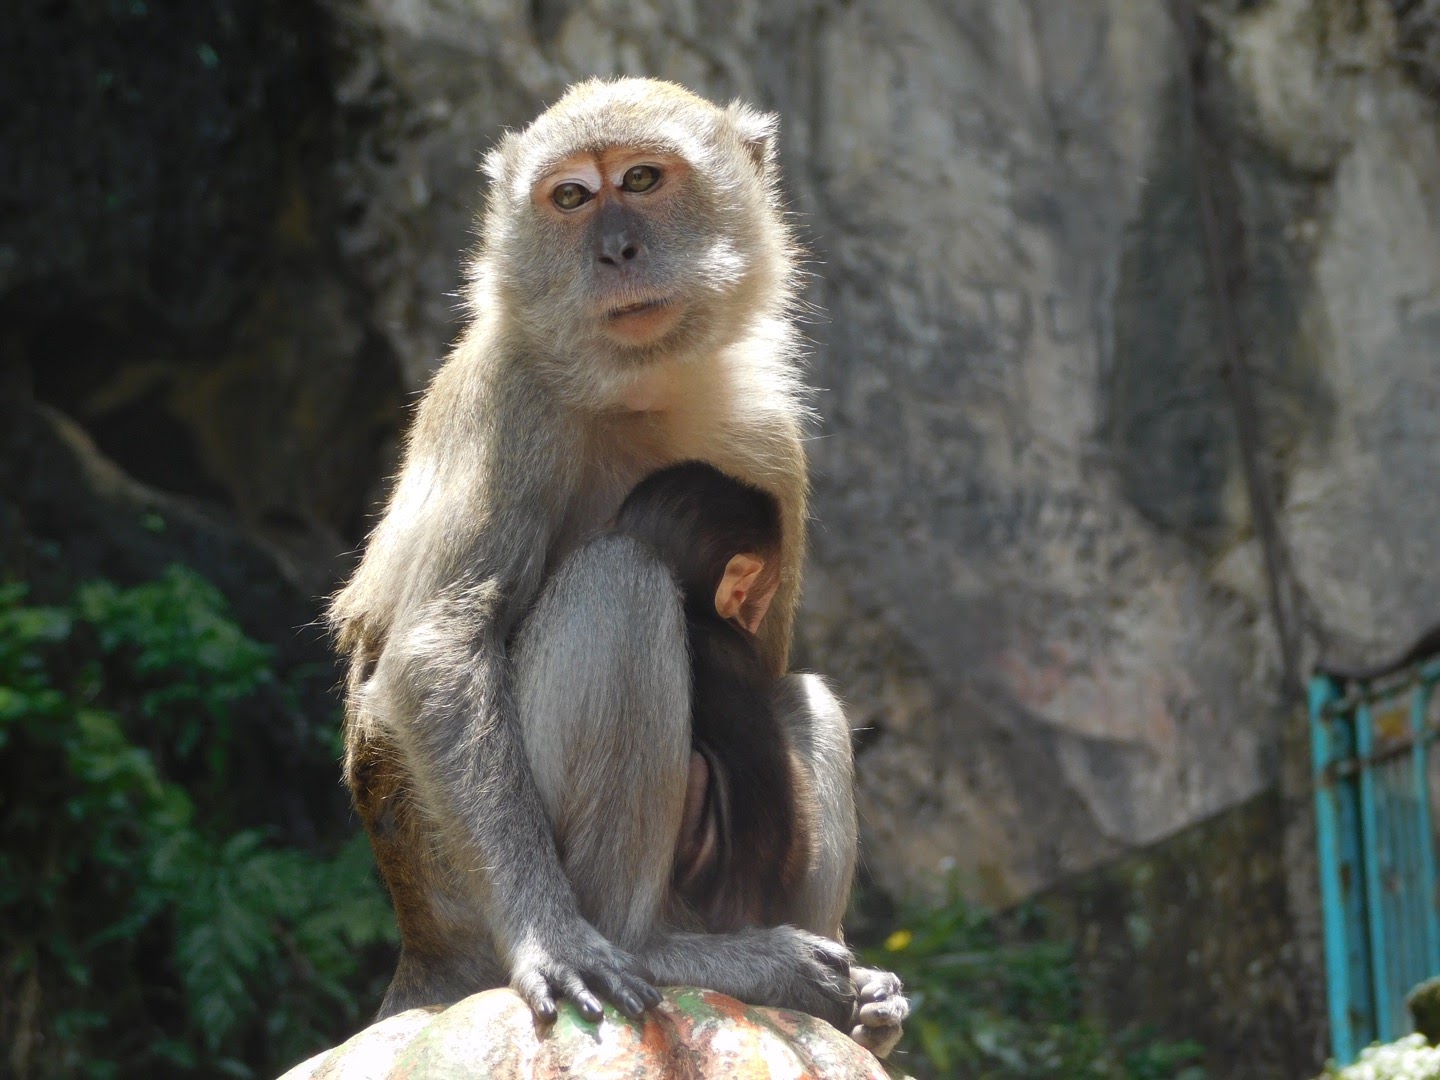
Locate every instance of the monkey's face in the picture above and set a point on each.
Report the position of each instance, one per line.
(629, 215)
(634, 221)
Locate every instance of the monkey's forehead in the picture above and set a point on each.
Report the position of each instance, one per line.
(644, 115)
(642, 100)
(667, 136)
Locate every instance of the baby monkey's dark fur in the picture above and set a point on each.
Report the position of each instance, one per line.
(750, 845)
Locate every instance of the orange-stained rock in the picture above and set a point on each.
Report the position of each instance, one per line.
(691, 1035)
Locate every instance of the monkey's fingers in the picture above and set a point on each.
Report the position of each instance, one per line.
(539, 988)
(885, 991)
(628, 983)
(878, 1040)
(631, 995)
(535, 990)
(873, 984)
(649, 993)
(573, 987)
(887, 1013)
(832, 954)
(638, 981)
(880, 1010)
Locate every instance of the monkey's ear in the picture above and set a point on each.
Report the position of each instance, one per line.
(738, 597)
(757, 133)
(499, 157)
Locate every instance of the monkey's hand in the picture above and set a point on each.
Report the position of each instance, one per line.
(572, 962)
(880, 1010)
(810, 973)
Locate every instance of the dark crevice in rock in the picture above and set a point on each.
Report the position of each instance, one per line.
(1417, 24)
(168, 264)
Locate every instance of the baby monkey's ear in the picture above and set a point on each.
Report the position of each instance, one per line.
(744, 594)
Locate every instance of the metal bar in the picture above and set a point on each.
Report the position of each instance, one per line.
(1387, 686)
(1374, 883)
(1363, 1024)
(1419, 705)
(1337, 952)
(1398, 869)
(1414, 949)
(1388, 843)
(1393, 748)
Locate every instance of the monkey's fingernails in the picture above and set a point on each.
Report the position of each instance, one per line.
(533, 989)
(878, 1014)
(630, 1005)
(589, 1007)
(651, 995)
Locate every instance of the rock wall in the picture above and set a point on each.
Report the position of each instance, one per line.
(1056, 515)
(1194, 937)
(1127, 367)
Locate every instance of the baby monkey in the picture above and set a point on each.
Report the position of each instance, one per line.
(746, 839)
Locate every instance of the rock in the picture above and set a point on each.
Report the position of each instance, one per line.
(690, 1035)
(1424, 1004)
(168, 266)
(1034, 536)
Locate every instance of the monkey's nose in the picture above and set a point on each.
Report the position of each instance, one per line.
(620, 251)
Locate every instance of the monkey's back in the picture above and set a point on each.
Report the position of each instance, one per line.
(763, 852)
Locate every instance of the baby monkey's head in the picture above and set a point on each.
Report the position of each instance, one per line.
(719, 536)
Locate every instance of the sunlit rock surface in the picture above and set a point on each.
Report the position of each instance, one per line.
(690, 1035)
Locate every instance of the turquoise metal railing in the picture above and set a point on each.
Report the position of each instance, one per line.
(1374, 744)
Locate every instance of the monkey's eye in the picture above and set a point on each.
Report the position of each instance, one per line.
(640, 178)
(570, 195)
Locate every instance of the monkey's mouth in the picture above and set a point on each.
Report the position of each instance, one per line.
(641, 307)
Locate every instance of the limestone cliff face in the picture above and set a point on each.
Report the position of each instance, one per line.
(1037, 573)
(1131, 340)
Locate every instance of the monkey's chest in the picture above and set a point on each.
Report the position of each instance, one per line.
(625, 450)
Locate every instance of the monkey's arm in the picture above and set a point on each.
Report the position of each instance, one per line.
(787, 477)
(468, 733)
(467, 548)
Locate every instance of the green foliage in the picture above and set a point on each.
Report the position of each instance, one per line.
(150, 928)
(984, 1008)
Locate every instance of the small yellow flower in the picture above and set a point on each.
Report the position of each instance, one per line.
(899, 941)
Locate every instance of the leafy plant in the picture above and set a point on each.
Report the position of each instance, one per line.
(153, 924)
(985, 1008)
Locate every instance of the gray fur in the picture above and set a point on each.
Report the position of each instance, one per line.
(609, 747)
(517, 706)
(820, 734)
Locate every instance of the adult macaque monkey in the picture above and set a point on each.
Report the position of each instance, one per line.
(517, 741)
